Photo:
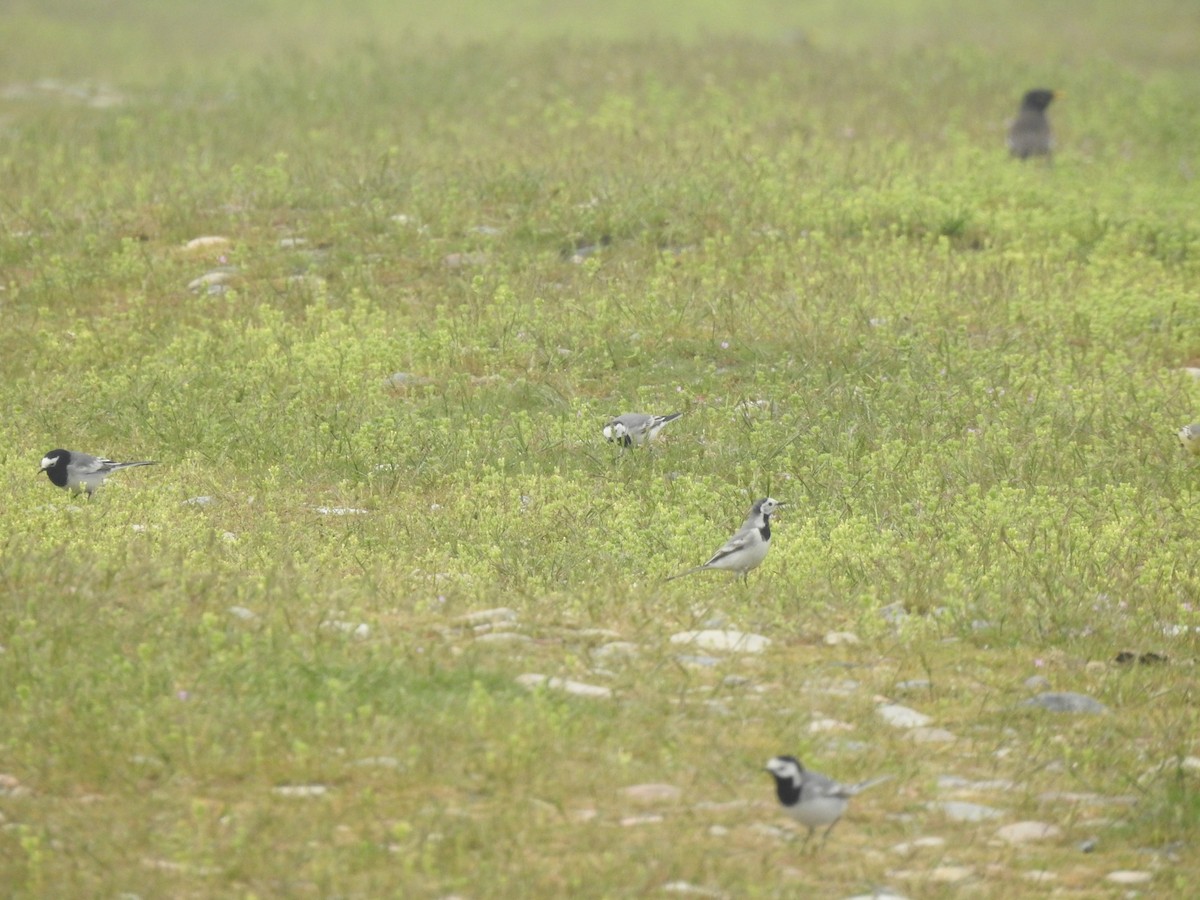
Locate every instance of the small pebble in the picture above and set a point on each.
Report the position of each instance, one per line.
(684, 887)
(199, 501)
(615, 650)
(652, 793)
(1039, 875)
(215, 278)
(700, 661)
(819, 726)
(1037, 683)
(533, 680)
(913, 684)
(733, 641)
(838, 638)
(498, 614)
(901, 716)
(358, 630)
(205, 242)
(240, 612)
(649, 819)
(503, 637)
(1024, 832)
(961, 811)
(1066, 702)
(951, 874)
(932, 736)
(301, 790)
(1129, 877)
(921, 843)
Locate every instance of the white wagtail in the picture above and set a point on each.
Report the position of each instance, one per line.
(749, 545)
(77, 471)
(636, 428)
(1189, 438)
(810, 798)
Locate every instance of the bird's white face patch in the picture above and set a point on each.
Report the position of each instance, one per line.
(784, 768)
(48, 461)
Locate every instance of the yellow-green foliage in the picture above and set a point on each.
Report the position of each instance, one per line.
(459, 237)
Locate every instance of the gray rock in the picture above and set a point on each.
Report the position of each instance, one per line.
(961, 811)
(1025, 832)
(732, 641)
(1129, 877)
(1066, 701)
(533, 680)
(1037, 683)
(901, 716)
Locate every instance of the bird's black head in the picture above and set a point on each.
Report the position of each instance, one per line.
(1037, 99)
(788, 775)
(54, 464)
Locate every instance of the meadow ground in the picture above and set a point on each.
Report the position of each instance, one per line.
(448, 243)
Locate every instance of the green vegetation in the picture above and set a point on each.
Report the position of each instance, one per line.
(800, 228)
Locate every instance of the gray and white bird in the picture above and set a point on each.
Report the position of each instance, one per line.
(1029, 133)
(812, 799)
(636, 428)
(1189, 438)
(749, 545)
(75, 471)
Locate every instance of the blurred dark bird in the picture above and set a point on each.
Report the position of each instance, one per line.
(1029, 133)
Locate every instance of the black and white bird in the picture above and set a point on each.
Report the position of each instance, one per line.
(1189, 438)
(810, 798)
(1029, 133)
(75, 471)
(749, 545)
(636, 428)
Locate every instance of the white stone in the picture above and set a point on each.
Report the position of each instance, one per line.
(206, 241)
(615, 650)
(301, 790)
(951, 874)
(358, 630)
(1024, 832)
(339, 511)
(835, 638)
(649, 819)
(932, 736)
(499, 614)
(959, 811)
(734, 641)
(684, 887)
(902, 716)
(1126, 876)
(652, 793)
(921, 843)
(211, 279)
(818, 726)
(503, 637)
(534, 680)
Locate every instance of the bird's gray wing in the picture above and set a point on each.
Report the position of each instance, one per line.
(86, 464)
(733, 545)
